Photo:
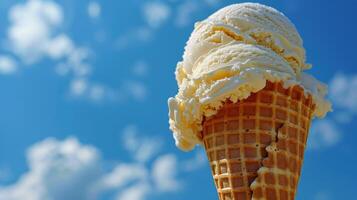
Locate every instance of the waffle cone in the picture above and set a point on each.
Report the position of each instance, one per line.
(256, 146)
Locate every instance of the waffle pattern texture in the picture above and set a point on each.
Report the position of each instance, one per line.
(256, 146)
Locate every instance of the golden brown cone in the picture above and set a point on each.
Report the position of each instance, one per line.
(256, 146)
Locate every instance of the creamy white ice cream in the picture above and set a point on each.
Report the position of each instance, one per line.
(232, 54)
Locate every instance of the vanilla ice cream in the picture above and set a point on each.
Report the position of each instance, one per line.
(232, 54)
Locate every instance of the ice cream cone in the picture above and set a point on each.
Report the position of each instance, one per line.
(256, 146)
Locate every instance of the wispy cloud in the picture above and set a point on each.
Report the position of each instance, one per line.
(343, 94)
(135, 89)
(81, 88)
(164, 173)
(322, 195)
(156, 13)
(196, 162)
(7, 65)
(184, 13)
(130, 89)
(94, 9)
(143, 148)
(134, 36)
(138, 191)
(76, 64)
(124, 174)
(140, 68)
(324, 133)
(189, 8)
(343, 91)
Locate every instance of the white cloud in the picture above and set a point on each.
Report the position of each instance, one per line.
(343, 91)
(322, 195)
(7, 65)
(82, 88)
(67, 169)
(78, 87)
(35, 33)
(196, 162)
(57, 170)
(60, 46)
(94, 9)
(124, 174)
(62, 69)
(77, 62)
(328, 132)
(33, 25)
(136, 89)
(140, 68)
(95, 92)
(165, 171)
(142, 148)
(185, 12)
(137, 35)
(136, 192)
(188, 8)
(156, 13)
(323, 133)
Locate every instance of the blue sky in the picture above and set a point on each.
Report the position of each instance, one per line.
(84, 88)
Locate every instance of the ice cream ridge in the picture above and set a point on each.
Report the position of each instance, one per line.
(245, 96)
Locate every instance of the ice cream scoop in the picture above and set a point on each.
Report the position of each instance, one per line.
(232, 54)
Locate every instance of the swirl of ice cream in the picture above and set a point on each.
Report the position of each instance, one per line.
(232, 54)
